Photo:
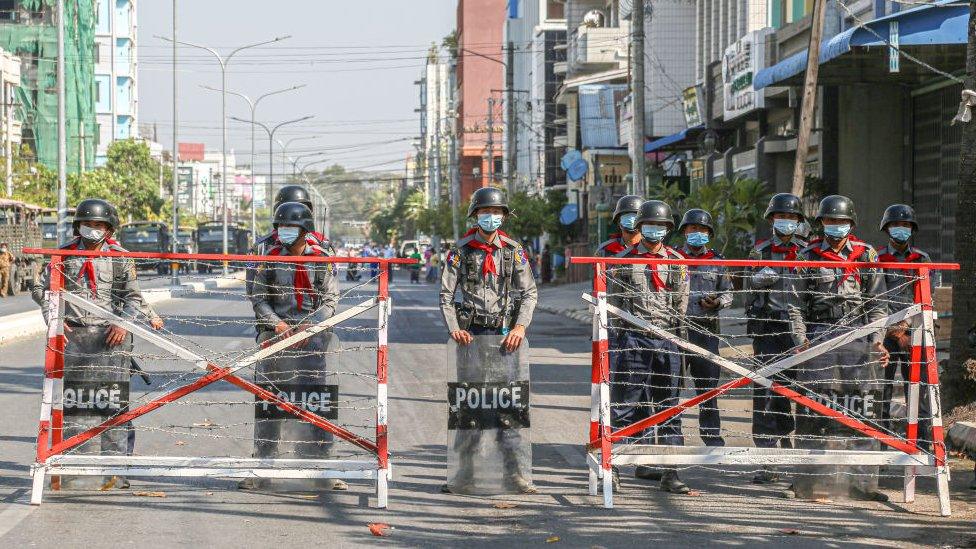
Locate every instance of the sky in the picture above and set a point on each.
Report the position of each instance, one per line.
(357, 59)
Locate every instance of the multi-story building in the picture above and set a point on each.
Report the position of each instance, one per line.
(200, 188)
(116, 97)
(480, 69)
(436, 126)
(535, 36)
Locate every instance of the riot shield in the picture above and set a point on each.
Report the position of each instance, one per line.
(489, 444)
(846, 379)
(298, 374)
(96, 387)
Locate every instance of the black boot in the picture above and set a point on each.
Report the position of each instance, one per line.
(648, 473)
(867, 495)
(463, 481)
(254, 484)
(616, 478)
(766, 476)
(671, 483)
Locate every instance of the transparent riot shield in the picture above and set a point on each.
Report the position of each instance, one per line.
(489, 444)
(846, 379)
(96, 388)
(301, 375)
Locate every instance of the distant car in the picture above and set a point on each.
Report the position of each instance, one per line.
(210, 240)
(147, 236)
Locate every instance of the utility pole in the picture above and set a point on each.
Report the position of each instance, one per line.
(510, 123)
(174, 270)
(809, 96)
(637, 96)
(959, 384)
(8, 121)
(81, 146)
(435, 185)
(455, 165)
(491, 140)
(62, 133)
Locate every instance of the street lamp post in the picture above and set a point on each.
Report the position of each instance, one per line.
(284, 149)
(271, 131)
(224, 61)
(253, 104)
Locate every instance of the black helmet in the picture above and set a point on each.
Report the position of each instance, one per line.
(898, 212)
(697, 216)
(487, 197)
(784, 203)
(95, 209)
(836, 206)
(630, 203)
(655, 210)
(292, 193)
(295, 214)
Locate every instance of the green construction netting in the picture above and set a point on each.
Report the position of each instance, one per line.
(32, 35)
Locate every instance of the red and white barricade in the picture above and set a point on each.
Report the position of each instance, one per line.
(56, 454)
(610, 446)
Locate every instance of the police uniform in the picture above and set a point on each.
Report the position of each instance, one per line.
(703, 329)
(900, 294)
(498, 291)
(298, 294)
(89, 363)
(769, 293)
(646, 374)
(269, 241)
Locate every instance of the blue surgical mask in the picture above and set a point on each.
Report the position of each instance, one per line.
(696, 239)
(489, 222)
(900, 234)
(837, 231)
(653, 233)
(628, 221)
(90, 234)
(785, 227)
(288, 235)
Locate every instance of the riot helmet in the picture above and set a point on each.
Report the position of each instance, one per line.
(836, 206)
(294, 214)
(95, 209)
(655, 211)
(630, 203)
(293, 193)
(785, 203)
(487, 197)
(697, 216)
(899, 212)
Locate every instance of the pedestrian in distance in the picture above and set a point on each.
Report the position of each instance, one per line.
(6, 263)
(769, 294)
(646, 377)
(98, 351)
(710, 291)
(415, 268)
(287, 299)
(497, 299)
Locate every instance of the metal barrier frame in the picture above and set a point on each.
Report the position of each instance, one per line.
(52, 461)
(600, 448)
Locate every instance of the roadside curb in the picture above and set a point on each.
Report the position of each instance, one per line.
(29, 323)
(578, 315)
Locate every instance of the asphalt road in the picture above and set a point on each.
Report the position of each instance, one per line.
(727, 509)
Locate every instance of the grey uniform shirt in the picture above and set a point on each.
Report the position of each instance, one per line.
(616, 291)
(705, 281)
(772, 291)
(264, 244)
(664, 307)
(900, 284)
(116, 287)
(486, 294)
(273, 294)
(827, 295)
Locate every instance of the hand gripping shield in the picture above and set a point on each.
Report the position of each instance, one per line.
(489, 444)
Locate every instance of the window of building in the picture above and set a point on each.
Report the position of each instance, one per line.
(98, 91)
(555, 10)
(98, 53)
(8, 10)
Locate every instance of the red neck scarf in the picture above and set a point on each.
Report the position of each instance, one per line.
(488, 265)
(302, 284)
(788, 250)
(615, 246)
(88, 271)
(656, 279)
(889, 257)
(707, 255)
(830, 255)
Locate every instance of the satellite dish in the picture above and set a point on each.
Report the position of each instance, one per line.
(593, 19)
(572, 155)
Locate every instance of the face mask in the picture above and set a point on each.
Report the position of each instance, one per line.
(696, 240)
(3, 249)
(653, 233)
(837, 231)
(785, 227)
(90, 234)
(288, 235)
(900, 234)
(628, 222)
(489, 222)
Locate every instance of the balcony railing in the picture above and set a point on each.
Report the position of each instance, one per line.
(595, 48)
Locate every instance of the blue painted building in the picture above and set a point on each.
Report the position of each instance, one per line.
(116, 92)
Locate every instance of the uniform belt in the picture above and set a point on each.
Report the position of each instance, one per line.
(486, 320)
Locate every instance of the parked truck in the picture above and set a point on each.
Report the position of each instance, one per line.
(20, 227)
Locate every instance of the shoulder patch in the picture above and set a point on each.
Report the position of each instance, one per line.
(454, 258)
(872, 253)
(522, 256)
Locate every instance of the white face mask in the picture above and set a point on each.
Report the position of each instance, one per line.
(90, 234)
(288, 235)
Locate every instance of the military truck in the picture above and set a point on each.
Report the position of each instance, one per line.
(49, 226)
(210, 240)
(20, 228)
(146, 236)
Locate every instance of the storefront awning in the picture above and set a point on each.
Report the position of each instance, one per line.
(940, 23)
(673, 139)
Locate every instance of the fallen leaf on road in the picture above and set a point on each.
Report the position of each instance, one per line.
(205, 423)
(505, 505)
(790, 531)
(552, 539)
(109, 484)
(378, 529)
(180, 443)
(694, 493)
(823, 500)
(150, 494)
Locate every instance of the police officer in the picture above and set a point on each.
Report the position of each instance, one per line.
(97, 352)
(648, 369)
(832, 302)
(768, 292)
(287, 298)
(899, 223)
(6, 263)
(625, 218)
(498, 297)
(710, 291)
